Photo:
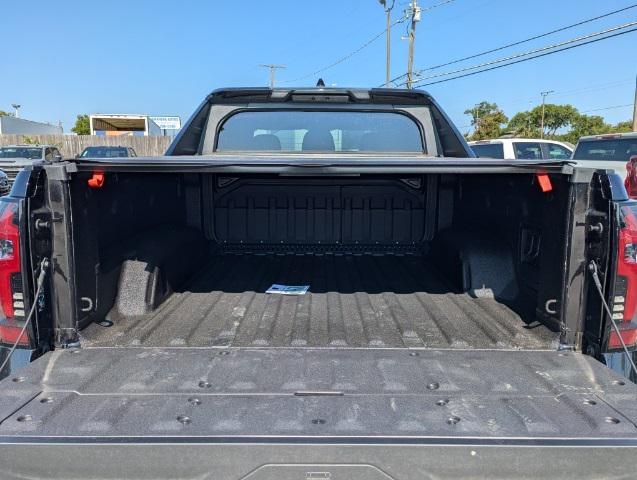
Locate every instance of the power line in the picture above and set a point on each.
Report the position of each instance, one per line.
(541, 52)
(592, 88)
(608, 108)
(445, 2)
(509, 45)
(348, 56)
(365, 45)
(575, 92)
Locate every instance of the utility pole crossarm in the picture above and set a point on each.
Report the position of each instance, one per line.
(273, 68)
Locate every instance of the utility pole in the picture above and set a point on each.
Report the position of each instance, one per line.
(273, 69)
(388, 35)
(16, 108)
(544, 95)
(635, 109)
(414, 12)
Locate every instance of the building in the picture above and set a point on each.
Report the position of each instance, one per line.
(20, 126)
(112, 125)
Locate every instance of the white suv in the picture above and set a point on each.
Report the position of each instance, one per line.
(522, 149)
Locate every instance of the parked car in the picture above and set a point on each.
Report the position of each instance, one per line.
(612, 151)
(15, 157)
(522, 149)
(430, 315)
(107, 152)
(5, 183)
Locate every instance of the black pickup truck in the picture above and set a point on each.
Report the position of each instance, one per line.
(430, 315)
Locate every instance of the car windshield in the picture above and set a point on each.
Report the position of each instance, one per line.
(21, 152)
(488, 150)
(612, 149)
(104, 152)
(324, 131)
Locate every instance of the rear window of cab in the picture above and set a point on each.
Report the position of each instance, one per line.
(319, 131)
(488, 150)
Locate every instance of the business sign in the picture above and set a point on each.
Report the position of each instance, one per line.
(167, 123)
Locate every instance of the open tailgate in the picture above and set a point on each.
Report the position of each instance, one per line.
(297, 413)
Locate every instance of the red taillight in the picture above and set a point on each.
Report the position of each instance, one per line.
(624, 304)
(11, 292)
(631, 177)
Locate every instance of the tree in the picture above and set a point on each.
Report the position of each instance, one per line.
(555, 117)
(82, 125)
(487, 120)
(5, 114)
(522, 124)
(623, 127)
(528, 124)
(586, 125)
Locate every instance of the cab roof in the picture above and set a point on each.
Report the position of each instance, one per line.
(320, 95)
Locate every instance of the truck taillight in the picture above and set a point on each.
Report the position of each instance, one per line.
(631, 177)
(624, 303)
(12, 315)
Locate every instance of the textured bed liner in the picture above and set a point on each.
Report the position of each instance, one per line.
(99, 393)
(354, 301)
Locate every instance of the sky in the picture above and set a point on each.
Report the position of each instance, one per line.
(69, 57)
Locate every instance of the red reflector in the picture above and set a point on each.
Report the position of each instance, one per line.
(9, 335)
(629, 336)
(97, 180)
(545, 182)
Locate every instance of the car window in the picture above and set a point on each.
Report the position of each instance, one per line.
(104, 152)
(616, 149)
(488, 150)
(558, 152)
(32, 153)
(319, 131)
(527, 150)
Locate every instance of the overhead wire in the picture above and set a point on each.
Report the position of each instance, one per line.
(530, 55)
(346, 57)
(520, 42)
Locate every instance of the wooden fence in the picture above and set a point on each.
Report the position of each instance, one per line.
(71, 145)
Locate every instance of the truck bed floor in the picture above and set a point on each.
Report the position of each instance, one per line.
(354, 301)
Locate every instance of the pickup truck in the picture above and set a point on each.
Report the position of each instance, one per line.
(434, 315)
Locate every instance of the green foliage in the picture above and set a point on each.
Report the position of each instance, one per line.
(82, 126)
(555, 117)
(586, 125)
(487, 118)
(522, 124)
(488, 121)
(5, 114)
(29, 140)
(623, 127)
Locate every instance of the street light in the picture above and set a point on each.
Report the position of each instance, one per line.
(388, 47)
(16, 107)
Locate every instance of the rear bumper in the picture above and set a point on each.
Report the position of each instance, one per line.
(305, 460)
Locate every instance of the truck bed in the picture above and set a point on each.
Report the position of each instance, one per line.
(354, 301)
